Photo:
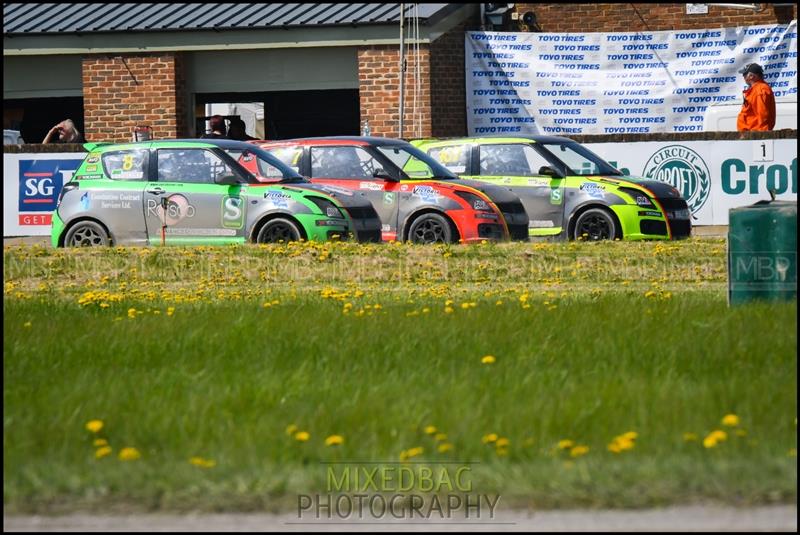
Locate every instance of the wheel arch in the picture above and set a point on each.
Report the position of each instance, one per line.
(68, 226)
(573, 218)
(428, 210)
(266, 218)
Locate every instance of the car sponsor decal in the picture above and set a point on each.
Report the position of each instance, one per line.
(178, 208)
(88, 177)
(232, 212)
(556, 196)
(92, 159)
(111, 201)
(388, 197)
(426, 193)
(278, 199)
(371, 186)
(119, 174)
(593, 190)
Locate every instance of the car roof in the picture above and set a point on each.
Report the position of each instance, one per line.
(500, 139)
(337, 140)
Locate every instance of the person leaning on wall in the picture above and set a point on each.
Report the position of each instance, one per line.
(758, 106)
(64, 132)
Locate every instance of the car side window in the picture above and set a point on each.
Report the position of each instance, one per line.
(342, 162)
(455, 157)
(510, 160)
(289, 155)
(125, 164)
(194, 166)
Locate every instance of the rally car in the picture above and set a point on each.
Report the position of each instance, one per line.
(568, 191)
(189, 192)
(417, 198)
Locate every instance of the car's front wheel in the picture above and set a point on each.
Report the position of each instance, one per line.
(430, 228)
(596, 224)
(86, 234)
(278, 230)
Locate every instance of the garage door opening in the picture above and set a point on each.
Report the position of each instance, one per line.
(290, 114)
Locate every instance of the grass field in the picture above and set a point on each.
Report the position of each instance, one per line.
(228, 369)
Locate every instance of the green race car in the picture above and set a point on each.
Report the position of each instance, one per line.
(568, 191)
(191, 192)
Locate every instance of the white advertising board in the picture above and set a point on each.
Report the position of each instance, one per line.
(31, 185)
(615, 83)
(713, 176)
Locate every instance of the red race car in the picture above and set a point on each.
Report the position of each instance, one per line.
(416, 197)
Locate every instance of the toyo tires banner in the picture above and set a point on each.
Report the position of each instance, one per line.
(713, 176)
(615, 83)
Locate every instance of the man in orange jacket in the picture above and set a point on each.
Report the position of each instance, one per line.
(758, 108)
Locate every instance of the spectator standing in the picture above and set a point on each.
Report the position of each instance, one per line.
(64, 132)
(237, 130)
(217, 123)
(758, 107)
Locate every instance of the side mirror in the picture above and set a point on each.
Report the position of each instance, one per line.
(381, 173)
(229, 180)
(546, 170)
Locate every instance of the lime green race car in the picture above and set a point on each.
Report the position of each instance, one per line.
(568, 191)
(192, 192)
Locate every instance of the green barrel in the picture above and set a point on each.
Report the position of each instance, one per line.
(762, 252)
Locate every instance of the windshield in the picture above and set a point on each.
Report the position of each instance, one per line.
(264, 166)
(415, 164)
(577, 159)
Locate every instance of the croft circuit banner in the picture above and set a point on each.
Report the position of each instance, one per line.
(614, 83)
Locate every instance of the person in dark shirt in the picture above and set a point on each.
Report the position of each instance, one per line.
(238, 131)
(217, 123)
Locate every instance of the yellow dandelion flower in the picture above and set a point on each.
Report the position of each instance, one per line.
(170, 311)
(131, 312)
(404, 455)
(203, 463)
(98, 442)
(488, 359)
(579, 451)
(94, 425)
(718, 435)
(334, 440)
(102, 452)
(448, 310)
(501, 443)
(630, 435)
(498, 303)
(440, 437)
(429, 430)
(565, 444)
(302, 436)
(129, 454)
(488, 439)
(614, 447)
(445, 447)
(413, 452)
(27, 324)
(730, 420)
(709, 442)
(290, 429)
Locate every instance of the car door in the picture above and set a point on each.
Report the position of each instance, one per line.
(188, 202)
(521, 168)
(355, 168)
(111, 186)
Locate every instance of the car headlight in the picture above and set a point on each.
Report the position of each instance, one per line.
(326, 207)
(639, 197)
(477, 204)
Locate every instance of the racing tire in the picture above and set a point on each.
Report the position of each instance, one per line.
(596, 224)
(430, 228)
(87, 234)
(278, 230)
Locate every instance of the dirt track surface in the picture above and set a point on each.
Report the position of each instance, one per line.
(687, 518)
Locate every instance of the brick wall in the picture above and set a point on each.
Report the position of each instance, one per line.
(122, 91)
(379, 91)
(448, 91)
(632, 17)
